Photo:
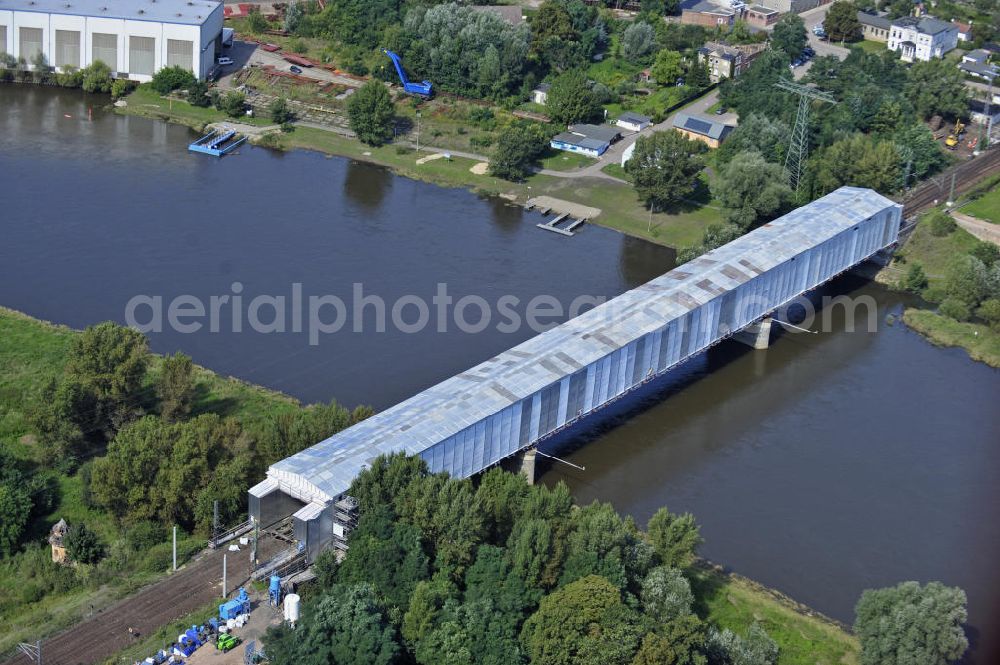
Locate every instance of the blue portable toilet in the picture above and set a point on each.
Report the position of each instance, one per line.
(274, 592)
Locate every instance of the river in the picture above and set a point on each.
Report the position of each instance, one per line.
(825, 465)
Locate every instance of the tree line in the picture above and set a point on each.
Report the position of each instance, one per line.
(497, 572)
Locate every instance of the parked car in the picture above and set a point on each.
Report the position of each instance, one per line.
(295, 70)
(225, 60)
(720, 110)
(808, 52)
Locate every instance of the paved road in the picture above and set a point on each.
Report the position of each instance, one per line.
(812, 18)
(101, 636)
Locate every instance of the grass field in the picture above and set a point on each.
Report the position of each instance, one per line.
(560, 160)
(933, 253)
(804, 637)
(981, 343)
(31, 353)
(986, 206)
(870, 46)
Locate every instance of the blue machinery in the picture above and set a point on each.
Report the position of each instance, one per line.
(422, 89)
(217, 143)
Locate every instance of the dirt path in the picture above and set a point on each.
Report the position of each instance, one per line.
(100, 637)
(978, 227)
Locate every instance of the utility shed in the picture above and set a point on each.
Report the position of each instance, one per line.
(471, 421)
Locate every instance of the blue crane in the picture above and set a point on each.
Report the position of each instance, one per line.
(422, 89)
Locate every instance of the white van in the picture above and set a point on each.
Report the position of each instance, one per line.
(225, 60)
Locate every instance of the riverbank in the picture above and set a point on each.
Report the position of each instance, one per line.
(32, 351)
(935, 254)
(620, 207)
(44, 599)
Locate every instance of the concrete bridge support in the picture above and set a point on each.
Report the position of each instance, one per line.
(526, 464)
(756, 336)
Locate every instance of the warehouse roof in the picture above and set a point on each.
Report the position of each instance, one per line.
(326, 470)
(188, 12)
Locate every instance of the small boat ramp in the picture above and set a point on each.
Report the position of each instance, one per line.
(218, 142)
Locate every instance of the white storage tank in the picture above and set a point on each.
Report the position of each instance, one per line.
(292, 607)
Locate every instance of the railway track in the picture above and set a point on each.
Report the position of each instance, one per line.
(937, 189)
(99, 637)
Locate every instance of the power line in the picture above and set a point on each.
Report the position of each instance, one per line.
(798, 145)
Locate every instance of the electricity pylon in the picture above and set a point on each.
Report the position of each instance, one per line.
(798, 145)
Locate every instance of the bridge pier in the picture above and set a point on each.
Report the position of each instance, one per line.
(756, 336)
(526, 464)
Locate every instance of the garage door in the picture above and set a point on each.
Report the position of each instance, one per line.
(67, 48)
(31, 43)
(104, 47)
(180, 53)
(141, 55)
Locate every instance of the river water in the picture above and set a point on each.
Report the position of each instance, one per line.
(825, 465)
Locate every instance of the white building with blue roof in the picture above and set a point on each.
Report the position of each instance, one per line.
(135, 38)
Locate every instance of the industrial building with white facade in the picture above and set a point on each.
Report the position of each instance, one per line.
(135, 38)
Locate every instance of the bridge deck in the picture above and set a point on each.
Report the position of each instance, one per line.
(510, 402)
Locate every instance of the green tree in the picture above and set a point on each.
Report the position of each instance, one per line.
(698, 77)
(175, 387)
(967, 279)
(256, 23)
(841, 22)
(751, 190)
(233, 103)
(108, 364)
(756, 648)
(582, 623)
(388, 556)
(858, 160)
(910, 623)
(385, 480)
(664, 167)
(537, 549)
(426, 603)
(756, 133)
(602, 543)
(940, 223)
(347, 625)
(666, 594)
(570, 99)
(279, 109)
(989, 311)
(789, 35)
(475, 633)
(680, 641)
(96, 77)
(171, 78)
(122, 480)
(449, 516)
(956, 309)
(371, 113)
(56, 422)
(15, 503)
(638, 41)
(667, 68)
(83, 545)
(915, 280)
(198, 94)
(518, 147)
(674, 537)
(937, 87)
(502, 496)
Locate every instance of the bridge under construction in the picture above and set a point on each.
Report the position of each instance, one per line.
(514, 401)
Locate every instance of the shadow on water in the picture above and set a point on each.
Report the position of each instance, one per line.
(367, 185)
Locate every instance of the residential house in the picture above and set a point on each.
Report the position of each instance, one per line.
(633, 122)
(509, 13)
(706, 13)
(921, 38)
(56, 536)
(964, 31)
(982, 113)
(590, 140)
(874, 28)
(708, 131)
(795, 6)
(540, 95)
(760, 16)
(725, 61)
